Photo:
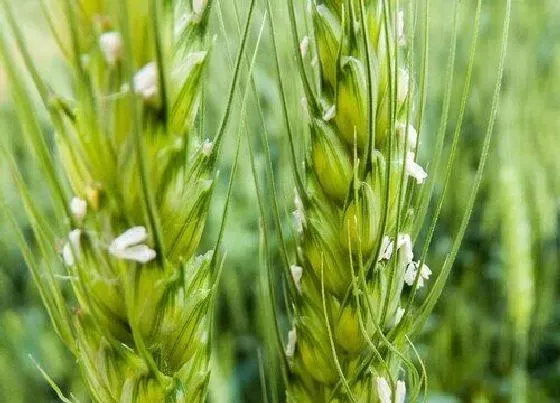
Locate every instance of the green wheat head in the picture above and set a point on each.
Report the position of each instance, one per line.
(355, 249)
(119, 271)
(361, 199)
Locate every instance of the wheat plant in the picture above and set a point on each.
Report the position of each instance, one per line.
(361, 197)
(131, 177)
(497, 316)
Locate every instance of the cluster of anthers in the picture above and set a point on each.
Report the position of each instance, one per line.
(130, 245)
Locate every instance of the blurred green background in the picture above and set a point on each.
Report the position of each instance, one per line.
(495, 335)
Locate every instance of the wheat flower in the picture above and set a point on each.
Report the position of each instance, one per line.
(355, 254)
(404, 246)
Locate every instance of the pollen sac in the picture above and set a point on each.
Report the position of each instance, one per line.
(146, 82)
(110, 44)
(407, 134)
(351, 103)
(331, 160)
(327, 35)
(360, 225)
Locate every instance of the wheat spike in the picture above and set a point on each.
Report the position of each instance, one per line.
(141, 174)
(355, 255)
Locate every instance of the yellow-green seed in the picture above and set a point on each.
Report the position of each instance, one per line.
(361, 222)
(331, 161)
(351, 104)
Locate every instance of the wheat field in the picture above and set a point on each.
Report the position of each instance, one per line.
(279, 201)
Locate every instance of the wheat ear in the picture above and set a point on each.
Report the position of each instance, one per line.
(353, 287)
(134, 197)
(355, 255)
